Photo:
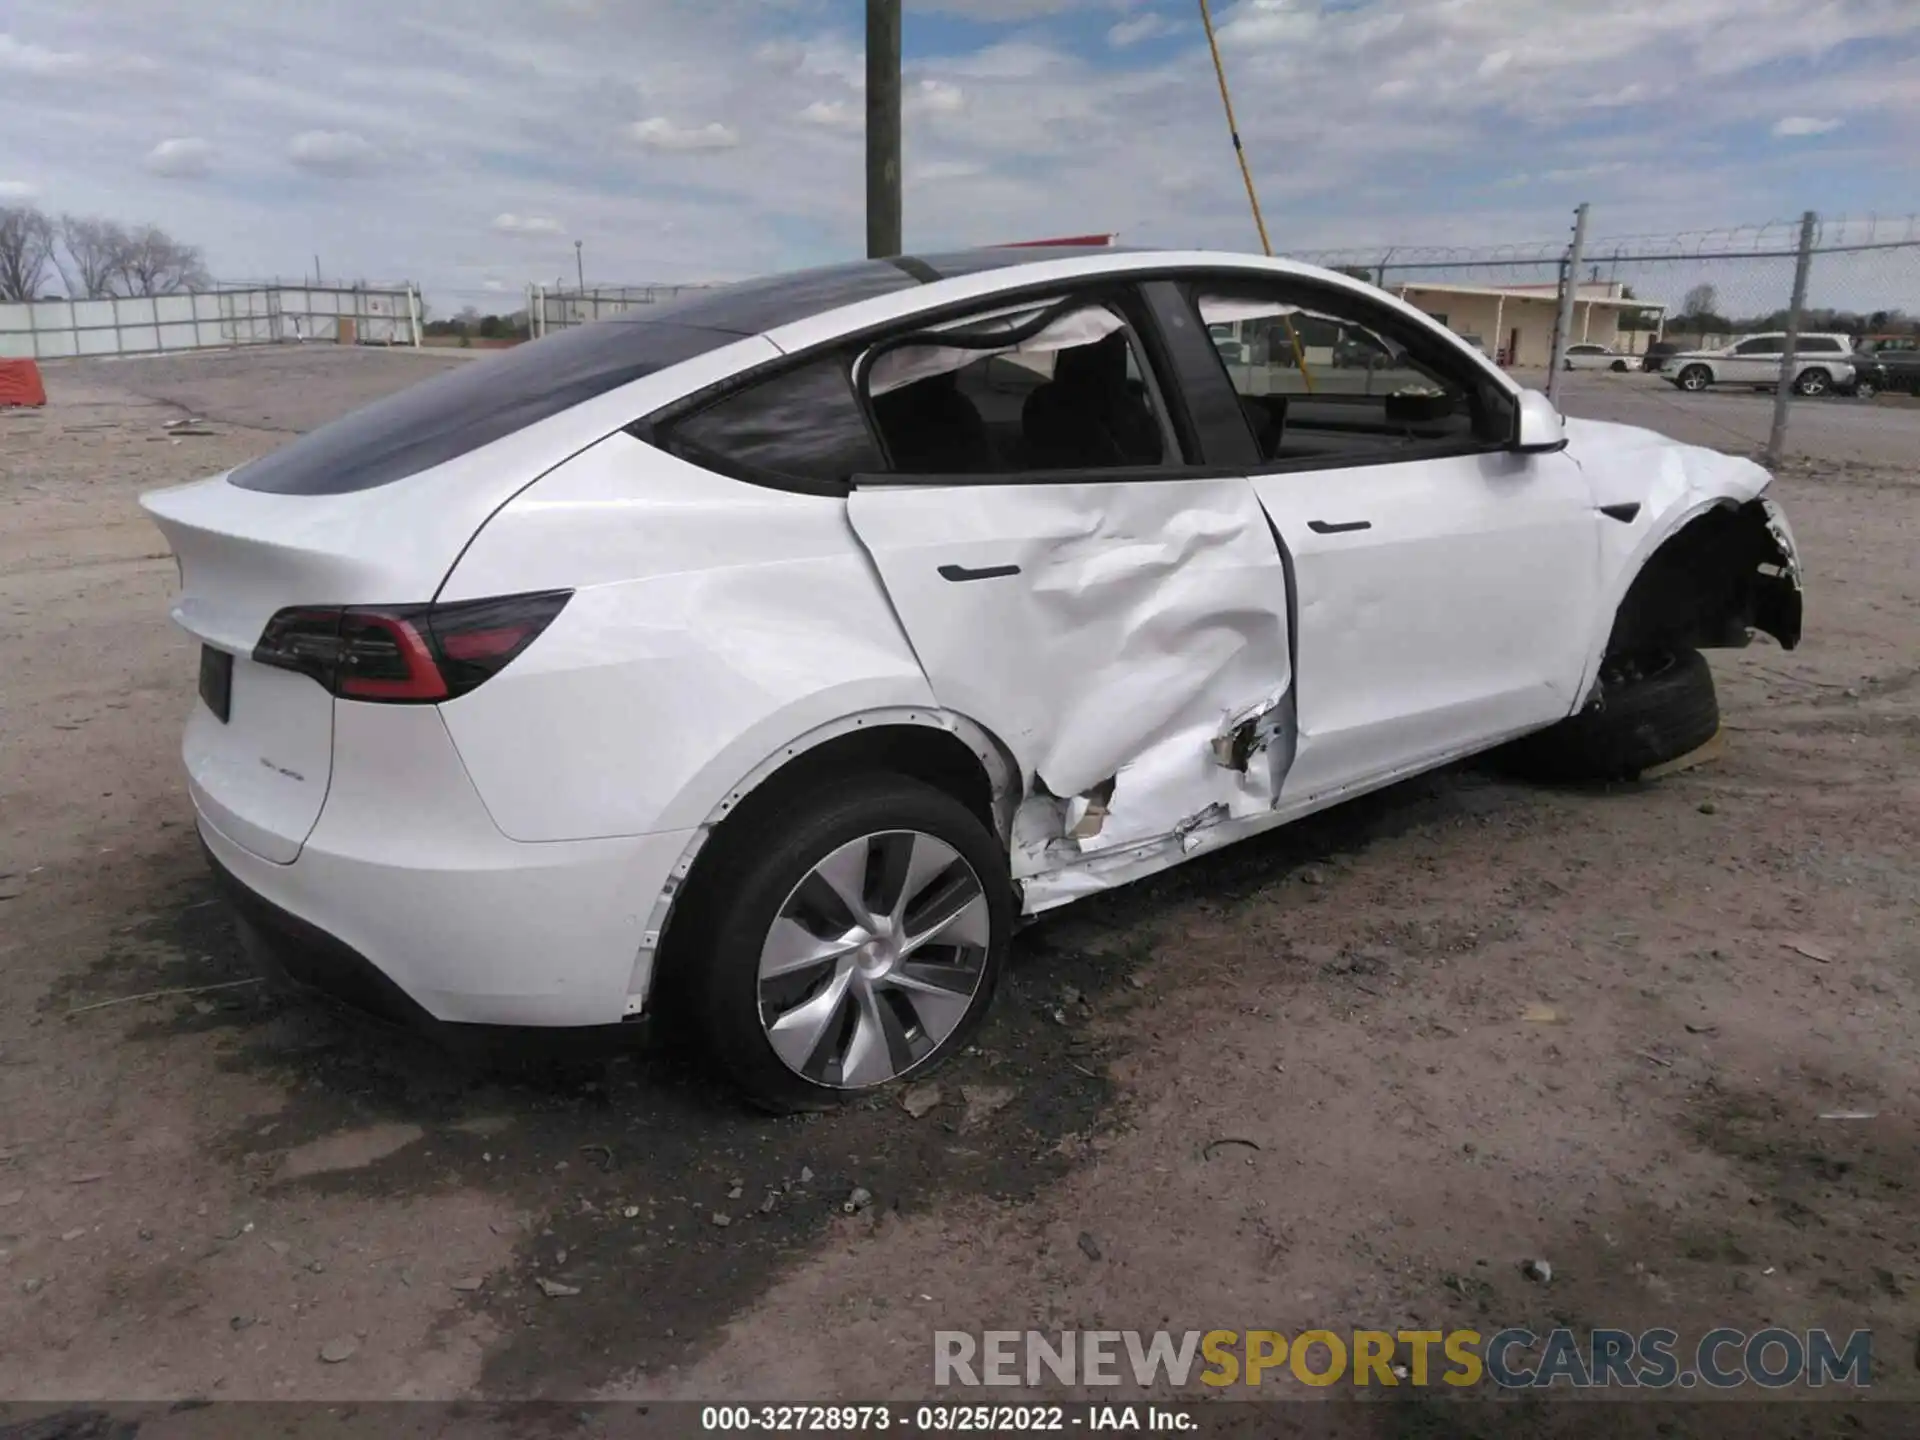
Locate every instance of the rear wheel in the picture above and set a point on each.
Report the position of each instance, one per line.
(1694, 377)
(1812, 382)
(855, 937)
(1649, 709)
(1619, 367)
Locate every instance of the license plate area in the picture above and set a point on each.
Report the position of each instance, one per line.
(216, 681)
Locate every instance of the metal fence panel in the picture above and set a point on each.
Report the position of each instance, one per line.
(261, 314)
(558, 309)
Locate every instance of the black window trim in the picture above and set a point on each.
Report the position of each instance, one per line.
(1119, 299)
(1120, 289)
(1492, 392)
(1128, 292)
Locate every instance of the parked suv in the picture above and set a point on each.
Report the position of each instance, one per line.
(1898, 357)
(1821, 364)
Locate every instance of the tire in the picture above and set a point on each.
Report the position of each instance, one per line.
(765, 901)
(1619, 367)
(1812, 381)
(1694, 378)
(1648, 710)
(1864, 390)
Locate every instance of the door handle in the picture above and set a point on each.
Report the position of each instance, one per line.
(986, 572)
(1337, 527)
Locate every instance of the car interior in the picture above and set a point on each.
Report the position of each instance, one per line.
(1066, 393)
(1317, 385)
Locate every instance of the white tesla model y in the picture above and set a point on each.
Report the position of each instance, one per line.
(778, 649)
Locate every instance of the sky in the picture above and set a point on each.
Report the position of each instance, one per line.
(466, 146)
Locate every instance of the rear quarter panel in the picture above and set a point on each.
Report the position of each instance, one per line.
(712, 623)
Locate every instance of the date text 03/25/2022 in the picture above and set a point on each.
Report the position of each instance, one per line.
(946, 1419)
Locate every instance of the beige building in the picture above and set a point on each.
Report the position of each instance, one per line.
(1514, 323)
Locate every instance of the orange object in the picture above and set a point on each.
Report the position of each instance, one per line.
(20, 384)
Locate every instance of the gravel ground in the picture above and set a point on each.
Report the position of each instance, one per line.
(1462, 1024)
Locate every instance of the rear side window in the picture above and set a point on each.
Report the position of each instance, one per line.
(798, 429)
(478, 403)
(1819, 345)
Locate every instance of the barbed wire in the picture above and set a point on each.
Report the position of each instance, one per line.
(1769, 240)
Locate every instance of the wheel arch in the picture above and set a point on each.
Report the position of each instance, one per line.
(1724, 570)
(943, 748)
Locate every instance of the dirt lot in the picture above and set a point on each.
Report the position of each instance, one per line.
(1462, 1024)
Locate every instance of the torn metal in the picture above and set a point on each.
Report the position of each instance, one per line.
(1131, 650)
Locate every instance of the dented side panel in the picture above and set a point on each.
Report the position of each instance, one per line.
(1127, 641)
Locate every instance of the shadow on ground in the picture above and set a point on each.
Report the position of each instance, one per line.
(652, 1207)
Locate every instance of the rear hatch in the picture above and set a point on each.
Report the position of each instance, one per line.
(373, 510)
(259, 744)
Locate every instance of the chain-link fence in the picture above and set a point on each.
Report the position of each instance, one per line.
(1702, 311)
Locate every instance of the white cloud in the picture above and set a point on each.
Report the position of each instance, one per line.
(996, 10)
(934, 97)
(1141, 27)
(18, 190)
(183, 158)
(331, 152)
(660, 133)
(1804, 125)
(1582, 172)
(834, 115)
(493, 286)
(936, 170)
(508, 223)
(27, 58)
(1364, 120)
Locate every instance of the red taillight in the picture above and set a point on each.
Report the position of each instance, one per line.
(406, 654)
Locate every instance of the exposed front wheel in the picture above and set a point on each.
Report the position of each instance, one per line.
(855, 937)
(1694, 377)
(1865, 389)
(1648, 709)
(1811, 382)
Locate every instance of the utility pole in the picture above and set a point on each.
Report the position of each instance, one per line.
(883, 128)
(579, 268)
(1563, 316)
(1783, 392)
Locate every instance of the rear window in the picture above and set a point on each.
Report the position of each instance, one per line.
(797, 429)
(474, 405)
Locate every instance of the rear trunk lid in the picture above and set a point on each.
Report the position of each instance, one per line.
(374, 509)
(260, 774)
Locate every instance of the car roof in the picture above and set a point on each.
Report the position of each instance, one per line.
(752, 307)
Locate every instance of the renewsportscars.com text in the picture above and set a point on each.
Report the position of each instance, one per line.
(1721, 1359)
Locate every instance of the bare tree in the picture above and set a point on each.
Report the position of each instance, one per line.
(152, 262)
(26, 245)
(1701, 300)
(95, 250)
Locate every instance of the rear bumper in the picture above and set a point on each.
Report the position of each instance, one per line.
(406, 899)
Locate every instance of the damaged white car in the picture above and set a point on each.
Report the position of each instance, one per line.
(776, 650)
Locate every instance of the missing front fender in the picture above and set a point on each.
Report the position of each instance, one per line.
(1722, 576)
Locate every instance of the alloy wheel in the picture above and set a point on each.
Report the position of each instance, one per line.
(874, 959)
